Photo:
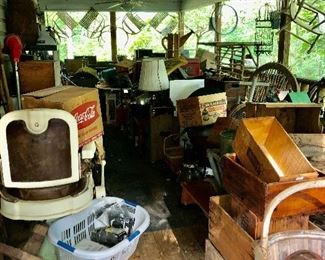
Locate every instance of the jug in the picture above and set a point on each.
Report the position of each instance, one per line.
(174, 42)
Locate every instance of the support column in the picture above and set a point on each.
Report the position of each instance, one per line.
(112, 17)
(180, 28)
(217, 37)
(284, 36)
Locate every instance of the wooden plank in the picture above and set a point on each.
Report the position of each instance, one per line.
(253, 225)
(34, 243)
(226, 235)
(187, 239)
(211, 253)
(256, 194)
(147, 248)
(178, 243)
(168, 245)
(16, 253)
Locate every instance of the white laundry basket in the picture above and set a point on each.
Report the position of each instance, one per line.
(67, 232)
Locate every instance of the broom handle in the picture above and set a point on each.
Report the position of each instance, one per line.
(278, 199)
(18, 85)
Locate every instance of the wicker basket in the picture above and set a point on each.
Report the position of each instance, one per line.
(173, 153)
(281, 245)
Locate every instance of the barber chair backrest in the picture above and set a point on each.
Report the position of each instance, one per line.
(39, 148)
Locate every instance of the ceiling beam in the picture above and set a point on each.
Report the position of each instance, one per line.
(110, 5)
(194, 4)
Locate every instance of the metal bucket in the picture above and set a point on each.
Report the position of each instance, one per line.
(226, 139)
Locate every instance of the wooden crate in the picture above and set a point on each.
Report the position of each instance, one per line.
(253, 224)
(295, 118)
(226, 235)
(257, 194)
(264, 148)
(36, 75)
(211, 253)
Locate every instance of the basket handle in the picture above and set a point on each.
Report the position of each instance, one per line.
(276, 201)
(167, 139)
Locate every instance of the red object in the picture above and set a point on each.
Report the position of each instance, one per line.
(192, 68)
(15, 46)
(86, 114)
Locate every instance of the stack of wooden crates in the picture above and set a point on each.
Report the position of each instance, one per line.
(266, 162)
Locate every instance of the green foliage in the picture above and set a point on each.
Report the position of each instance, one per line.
(302, 64)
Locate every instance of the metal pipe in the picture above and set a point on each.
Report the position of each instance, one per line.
(17, 85)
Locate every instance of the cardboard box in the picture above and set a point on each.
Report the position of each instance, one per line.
(82, 103)
(192, 68)
(208, 58)
(202, 110)
(36, 75)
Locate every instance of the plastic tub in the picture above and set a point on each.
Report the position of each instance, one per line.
(67, 232)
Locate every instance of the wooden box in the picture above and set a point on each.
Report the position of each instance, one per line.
(264, 148)
(257, 194)
(295, 118)
(253, 224)
(225, 233)
(36, 75)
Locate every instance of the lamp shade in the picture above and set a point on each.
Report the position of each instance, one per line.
(153, 76)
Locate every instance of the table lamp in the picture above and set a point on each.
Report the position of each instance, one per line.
(153, 77)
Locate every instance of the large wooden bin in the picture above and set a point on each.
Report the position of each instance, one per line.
(257, 194)
(265, 148)
(36, 75)
(226, 235)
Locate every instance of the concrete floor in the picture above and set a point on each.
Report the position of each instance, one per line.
(131, 175)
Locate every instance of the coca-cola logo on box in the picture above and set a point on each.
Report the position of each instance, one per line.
(86, 114)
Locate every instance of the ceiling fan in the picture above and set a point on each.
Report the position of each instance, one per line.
(125, 5)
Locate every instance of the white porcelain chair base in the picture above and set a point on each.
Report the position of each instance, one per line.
(48, 209)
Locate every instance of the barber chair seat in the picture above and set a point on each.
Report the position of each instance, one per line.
(41, 177)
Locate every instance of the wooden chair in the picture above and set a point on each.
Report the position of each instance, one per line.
(279, 78)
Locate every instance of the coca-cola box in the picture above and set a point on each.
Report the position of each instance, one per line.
(82, 103)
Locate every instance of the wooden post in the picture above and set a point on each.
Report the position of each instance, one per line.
(181, 23)
(284, 36)
(180, 29)
(113, 35)
(217, 36)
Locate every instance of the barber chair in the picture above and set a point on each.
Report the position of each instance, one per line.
(41, 176)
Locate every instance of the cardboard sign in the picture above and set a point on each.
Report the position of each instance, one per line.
(202, 110)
